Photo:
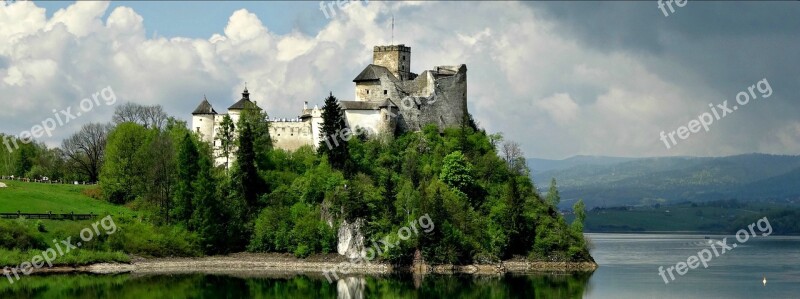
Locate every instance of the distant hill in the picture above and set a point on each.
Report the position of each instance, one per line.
(607, 181)
(542, 165)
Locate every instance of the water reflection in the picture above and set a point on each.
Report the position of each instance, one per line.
(297, 286)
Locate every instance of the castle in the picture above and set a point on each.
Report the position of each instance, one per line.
(389, 98)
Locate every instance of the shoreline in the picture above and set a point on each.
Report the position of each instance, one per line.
(275, 263)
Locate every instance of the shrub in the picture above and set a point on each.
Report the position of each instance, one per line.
(16, 235)
(94, 192)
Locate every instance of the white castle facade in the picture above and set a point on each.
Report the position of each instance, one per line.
(389, 98)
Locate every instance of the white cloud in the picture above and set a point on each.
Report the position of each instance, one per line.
(544, 89)
(560, 107)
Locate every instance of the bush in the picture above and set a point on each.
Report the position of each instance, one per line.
(94, 192)
(296, 229)
(16, 235)
(144, 239)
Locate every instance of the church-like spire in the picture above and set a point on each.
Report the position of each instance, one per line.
(245, 93)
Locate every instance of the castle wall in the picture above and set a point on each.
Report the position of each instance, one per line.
(291, 135)
(370, 120)
(316, 129)
(435, 97)
(367, 91)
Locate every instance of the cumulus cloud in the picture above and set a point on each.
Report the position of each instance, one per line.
(541, 86)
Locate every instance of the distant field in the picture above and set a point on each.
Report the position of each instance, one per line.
(41, 198)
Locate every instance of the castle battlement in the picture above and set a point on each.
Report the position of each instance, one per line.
(399, 48)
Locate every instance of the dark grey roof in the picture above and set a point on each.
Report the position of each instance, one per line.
(240, 105)
(373, 72)
(366, 105)
(204, 108)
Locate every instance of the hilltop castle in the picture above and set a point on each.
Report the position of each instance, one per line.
(389, 98)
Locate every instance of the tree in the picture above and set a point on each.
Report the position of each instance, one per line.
(23, 159)
(333, 127)
(580, 216)
(553, 198)
(159, 179)
(457, 172)
(262, 142)
(495, 139)
(512, 154)
(147, 116)
(123, 173)
(245, 176)
(85, 150)
(188, 169)
(208, 214)
(226, 134)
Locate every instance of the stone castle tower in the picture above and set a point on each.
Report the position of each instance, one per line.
(397, 59)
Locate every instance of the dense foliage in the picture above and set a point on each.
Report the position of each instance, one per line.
(485, 207)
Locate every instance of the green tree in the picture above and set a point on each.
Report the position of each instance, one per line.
(553, 198)
(188, 169)
(333, 127)
(262, 142)
(160, 166)
(23, 159)
(246, 181)
(208, 216)
(457, 172)
(580, 216)
(226, 134)
(123, 171)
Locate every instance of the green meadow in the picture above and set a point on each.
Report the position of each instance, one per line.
(22, 239)
(59, 199)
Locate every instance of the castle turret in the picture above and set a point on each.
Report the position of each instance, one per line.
(203, 120)
(236, 109)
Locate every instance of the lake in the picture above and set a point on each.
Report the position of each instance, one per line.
(628, 269)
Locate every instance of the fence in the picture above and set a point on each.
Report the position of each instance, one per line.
(49, 216)
(12, 178)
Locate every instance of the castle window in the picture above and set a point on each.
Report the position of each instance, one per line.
(367, 91)
(402, 68)
(404, 58)
(198, 129)
(385, 91)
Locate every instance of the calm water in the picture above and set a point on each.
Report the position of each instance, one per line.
(628, 269)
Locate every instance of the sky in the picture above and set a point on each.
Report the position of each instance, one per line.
(559, 78)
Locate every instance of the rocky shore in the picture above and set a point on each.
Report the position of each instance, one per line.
(273, 263)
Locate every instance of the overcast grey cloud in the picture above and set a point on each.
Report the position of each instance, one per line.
(561, 78)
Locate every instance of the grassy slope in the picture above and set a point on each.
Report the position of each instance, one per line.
(41, 198)
(133, 237)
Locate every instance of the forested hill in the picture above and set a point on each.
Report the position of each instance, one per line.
(606, 181)
(480, 207)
